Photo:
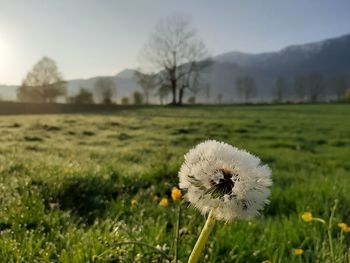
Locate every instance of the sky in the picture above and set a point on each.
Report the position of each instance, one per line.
(90, 38)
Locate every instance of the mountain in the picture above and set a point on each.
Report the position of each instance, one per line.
(329, 57)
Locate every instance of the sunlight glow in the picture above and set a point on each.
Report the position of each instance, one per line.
(5, 55)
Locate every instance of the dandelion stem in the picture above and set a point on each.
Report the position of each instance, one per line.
(177, 231)
(203, 237)
(330, 229)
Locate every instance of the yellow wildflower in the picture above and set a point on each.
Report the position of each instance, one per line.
(164, 202)
(307, 217)
(176, 194)
(266, 261)
(298, 251)
(344, 227)
(134, 203)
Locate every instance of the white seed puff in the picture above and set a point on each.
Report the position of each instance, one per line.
(231, 182)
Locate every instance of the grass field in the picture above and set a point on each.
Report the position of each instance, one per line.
(67, 182)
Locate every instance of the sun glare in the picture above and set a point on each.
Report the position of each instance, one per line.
(5, 54)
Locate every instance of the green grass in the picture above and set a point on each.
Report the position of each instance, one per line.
(67, 181)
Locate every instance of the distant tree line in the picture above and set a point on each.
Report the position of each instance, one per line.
(308, 87)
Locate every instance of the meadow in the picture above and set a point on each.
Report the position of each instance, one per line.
(87, 187)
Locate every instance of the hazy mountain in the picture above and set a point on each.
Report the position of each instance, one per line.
(330, 57)
(327, 56)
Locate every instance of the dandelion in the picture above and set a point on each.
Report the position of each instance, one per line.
(307, 217)
(344, 227)
(164, 202)
(225, 182)
(297, 252)
(134, 203)
(230, 182)
(176, 194)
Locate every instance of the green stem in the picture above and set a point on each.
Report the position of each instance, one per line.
(330, 229)
(177, 231)
(198, 248)
(319, 220)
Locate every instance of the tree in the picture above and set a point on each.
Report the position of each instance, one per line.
(309, 86)
(163, 93)
(83, 97)
(125, 101)
(191, 100)
(105, 90)
(340, 84)
(315, 84)
(138, 98)
(43, 83)
(280, 89)
(147, 82)
(246, 88)
(207, 91)
(177, 53)
(300, 87)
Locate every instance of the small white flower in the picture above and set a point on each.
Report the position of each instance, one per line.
(231, 183)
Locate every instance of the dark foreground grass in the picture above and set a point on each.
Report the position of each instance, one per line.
(67, 181)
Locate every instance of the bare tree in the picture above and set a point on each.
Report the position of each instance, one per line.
(43, 83)
(105, 90)
(246, 88)
(280, 89)
(309, 86)
(207, 92)
(163, 93)
(177, 53)
(195, 87)
(300, 87)
(340, 84)
(315, 83)
(147, 82)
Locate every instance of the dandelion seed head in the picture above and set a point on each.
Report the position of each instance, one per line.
(231, 182)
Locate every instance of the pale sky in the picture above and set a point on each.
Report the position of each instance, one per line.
(102, 37)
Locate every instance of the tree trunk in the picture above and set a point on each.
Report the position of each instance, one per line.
(173, 90)
(181, 94)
